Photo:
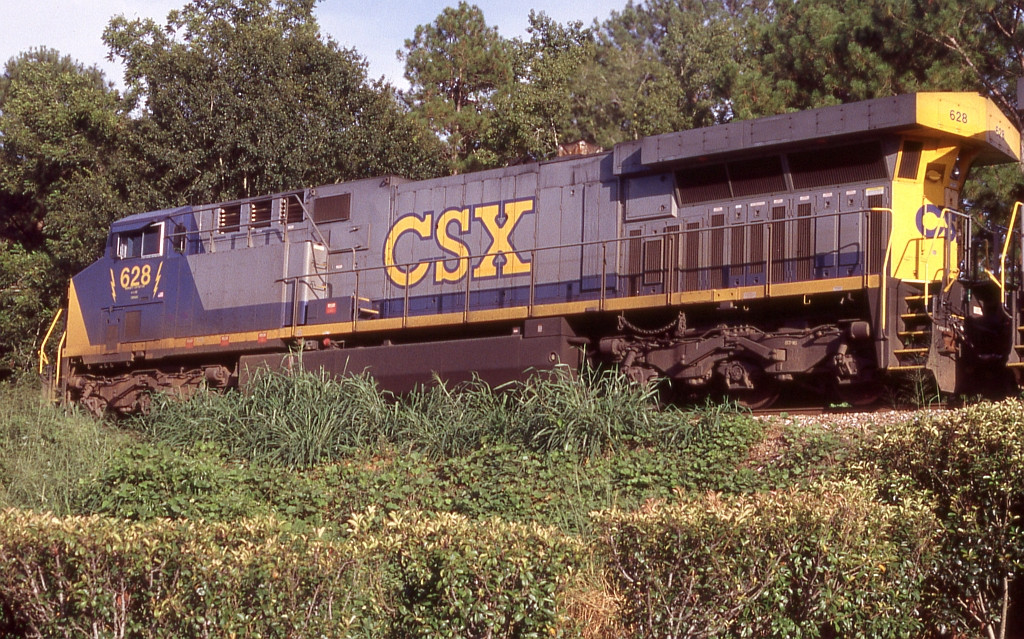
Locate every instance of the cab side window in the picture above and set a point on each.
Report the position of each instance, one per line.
(146, 242)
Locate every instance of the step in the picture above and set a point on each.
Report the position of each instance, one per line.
(903, 334)
(910, 351)
(914, 367)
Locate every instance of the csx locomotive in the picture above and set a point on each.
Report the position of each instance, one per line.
(820, 250)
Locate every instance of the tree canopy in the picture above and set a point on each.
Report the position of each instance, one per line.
(454, 66)
(242, 97)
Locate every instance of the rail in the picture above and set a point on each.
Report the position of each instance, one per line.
(773, 252)
(44, 359)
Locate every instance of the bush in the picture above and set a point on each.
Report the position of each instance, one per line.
(971, 464)
(105, 577)
(148, 481)
(415, 576)
(461, 578)
(825, 563)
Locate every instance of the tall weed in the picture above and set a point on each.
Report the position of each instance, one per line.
(443, 421)
(295, 420)
(586, 413)
(45, 454)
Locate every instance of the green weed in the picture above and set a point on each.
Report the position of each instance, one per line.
(45, 453)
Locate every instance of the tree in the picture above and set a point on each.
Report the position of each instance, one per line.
(241, 97)
(663, 65)
(64, 175)
(815, 53)
(454, 67)
(533, 113)
(975, 45)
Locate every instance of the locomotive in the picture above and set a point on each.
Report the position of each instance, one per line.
(821, 249)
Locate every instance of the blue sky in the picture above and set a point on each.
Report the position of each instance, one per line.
(375, 29)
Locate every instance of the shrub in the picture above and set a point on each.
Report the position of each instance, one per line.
(460, 578)
(147, 481)
(415, 576)
(780, 564)
(105, 577)
(971, 463)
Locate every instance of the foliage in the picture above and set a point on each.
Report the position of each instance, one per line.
(143, 482)
(453, 66)
(824, 52)
(659, 66)
(46, 455)
(534, 113)
(28, 295)
(242, 97)
(441, 421)
(168, 578)
(558, 411)
(971, 463)
(826, 563)
(976, 45)
(292, 420)
(416, 576)
(467, 579)
(64, 175)
(708, 514)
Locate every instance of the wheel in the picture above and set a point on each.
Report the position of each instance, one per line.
(748, 384)
(762, 396)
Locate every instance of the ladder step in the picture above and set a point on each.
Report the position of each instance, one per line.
(910, 351)
(915, 316)
(903, 334)
(916, 367)
(918, 298)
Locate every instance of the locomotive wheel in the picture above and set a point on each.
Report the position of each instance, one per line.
(764, 394)
(747, 383)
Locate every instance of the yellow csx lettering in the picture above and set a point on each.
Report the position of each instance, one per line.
(446, 231)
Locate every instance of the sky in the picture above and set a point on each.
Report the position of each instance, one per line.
(374, 28)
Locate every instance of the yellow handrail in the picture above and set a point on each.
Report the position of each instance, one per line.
(1006, 248)
(55, 387)
(43, 359)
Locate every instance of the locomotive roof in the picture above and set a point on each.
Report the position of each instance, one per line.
(142, 220)
(996, 139)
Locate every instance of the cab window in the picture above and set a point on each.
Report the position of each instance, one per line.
(146, 242)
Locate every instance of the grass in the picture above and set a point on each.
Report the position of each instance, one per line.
(47, 454)
(550, 449)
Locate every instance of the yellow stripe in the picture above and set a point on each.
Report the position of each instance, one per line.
(340, 329)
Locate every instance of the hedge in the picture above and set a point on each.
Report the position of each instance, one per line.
(417, 576)
(825, 563)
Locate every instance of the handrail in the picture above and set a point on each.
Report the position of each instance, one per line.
(467, 281)
(43, 358)
(884, 272)
(1006, 248)
(1001, 280)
